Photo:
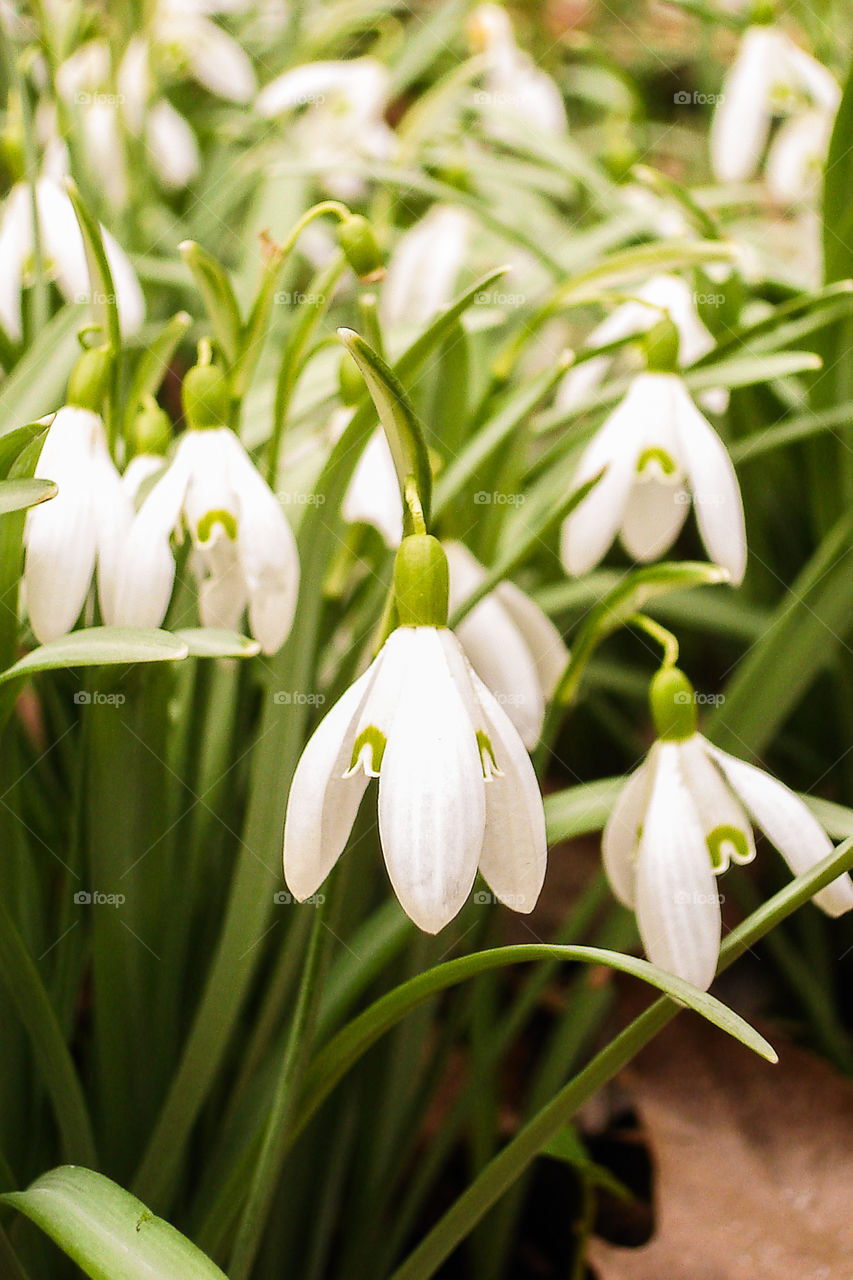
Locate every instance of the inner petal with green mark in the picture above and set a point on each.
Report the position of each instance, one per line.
(657, 462)
(206, 525)
(367, 752)
(487, 757)
(728, 844)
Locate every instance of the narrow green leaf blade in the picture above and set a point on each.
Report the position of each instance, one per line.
(99, 646)
(108, 1232)
(213, 642)
(16, 495)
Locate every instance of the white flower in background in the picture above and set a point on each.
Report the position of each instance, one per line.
(424, 267)
(187, 41)
(83, 81)
(457, 790)
(513, 646)
(678, 823)
(373, 495)
(661, 296)
(795, 163)
(245, 550)
(169, 138)
(659, 452)
(772, 76)
(336, 112)
(64, 256)
(81, 527)
(515, 86)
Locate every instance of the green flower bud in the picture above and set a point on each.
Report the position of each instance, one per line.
(356, 238)
(673, 704)
(90, 379)
(152, 429)
(421, 582)
(661, 345)
(350, 381)
(205, 397)
(763, 13)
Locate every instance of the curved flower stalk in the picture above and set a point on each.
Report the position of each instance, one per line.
(336, 111)
(662, 295)
(82, 527)
(245, 552)
(169, 139)
(682, 818)
(457, 790)
(63, 256)
(514, 84)
(772, 76)
(512, 645)
(660, 453)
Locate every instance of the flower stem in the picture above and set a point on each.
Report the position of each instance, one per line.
(266, 1173)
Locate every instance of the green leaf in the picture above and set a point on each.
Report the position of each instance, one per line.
(622, 603)
(36, 385)
(108, 1232)
(104, 302)
(580, 810)
(745, 371)
(403, 431)
(212, 642)
(99, 646)
(16, 495)
(218, 297)
(353, 1041)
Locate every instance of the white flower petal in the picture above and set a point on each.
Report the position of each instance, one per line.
(742, 118)
(172, 146)
(619, 842)
(432, 807)
(654, 513)
(373, 495)
(424, 268)
(678, 909)
(714, 486)
(16, 238)
(222, 593)
(797, 156)
(542, 638)
(514, 856)
(323, 803)
(218, 62)
(788, 824)
(113, 518)
(727, 828)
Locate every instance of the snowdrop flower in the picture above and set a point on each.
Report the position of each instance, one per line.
(662, 295)
(659, 452)
(796, 158)
(682, 818)
(83, 526)
(184, 34)
(513, 646)
(373, 495)
(424, 268)
(169, 139)
(457, 790)
(513, 81)
(245, 552)
(771, 76)
(341, 106)
(63, 254)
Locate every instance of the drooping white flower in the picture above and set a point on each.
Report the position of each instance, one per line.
(83, 526)
(513, 646)
(660, 452)
(373, 495)
(514, 84)
(184, 34)
(424, 267)
(336, 113)
(662, 295)
(457, 790)
(63, 256)
(169, 138)
(679, 822)
(771, 76)
(245, 550)
(796, 158)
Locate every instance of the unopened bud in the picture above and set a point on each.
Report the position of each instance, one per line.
(673, 705)
(205, 397)
(358, 241)
(421, 582)
(90, 379)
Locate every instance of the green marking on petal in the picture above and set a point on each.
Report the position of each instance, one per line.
(727, 844)
(661, 457)
(367, 752)
(204, 529)
(487, 757)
